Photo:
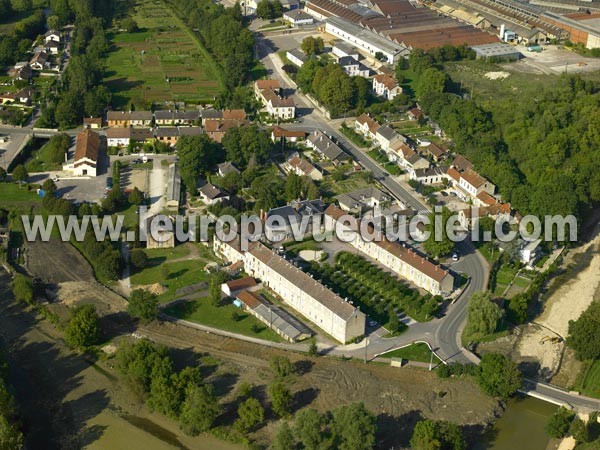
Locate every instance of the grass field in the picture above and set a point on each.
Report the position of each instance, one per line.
(202, 311)
(503, 278)
(354, 181)
(588, 381)
(40, 160)
(471, 76)
(415, 352)
(7, 24)
(163, 61)
(13, 195)
(181, 274)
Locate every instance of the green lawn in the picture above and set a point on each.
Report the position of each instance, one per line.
(40, 160)
(12, 195)
(352, 182)
(588, 381)
(503, 278)
(416, 352)
(160, 63)
(181, 274)
(471, 75)
(202, 311)
(354, 136)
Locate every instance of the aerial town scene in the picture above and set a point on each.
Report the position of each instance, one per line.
(300, 224)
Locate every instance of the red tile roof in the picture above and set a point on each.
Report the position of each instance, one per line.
(267, 84)
(88, 143)
(249, 299)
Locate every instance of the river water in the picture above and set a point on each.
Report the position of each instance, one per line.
(521, 427)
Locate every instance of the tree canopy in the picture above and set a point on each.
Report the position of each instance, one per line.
(83, 329)
(499, 376)
(143, 305)
(584, 333)
(197, 154)
(483, 315)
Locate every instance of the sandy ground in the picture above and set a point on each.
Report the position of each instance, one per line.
(310, 255)
(574, 296)
(497, 75)
(537, 349)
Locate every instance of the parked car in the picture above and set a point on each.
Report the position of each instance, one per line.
(455, 256)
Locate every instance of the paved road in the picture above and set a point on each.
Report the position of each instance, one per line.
(442, 334)
(559, 396)
(312, 119)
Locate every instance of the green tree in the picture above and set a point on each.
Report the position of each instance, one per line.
(353, 427)
(293, 187)
(393, 323)
(558, 424)
(214, 292)
(306, 74)
(309, 429)
(312, 45)
(53, 22)
(426, 436)
(434, 435)
(5, 8)
(20, 173)
(517, 308)
(281, 399)
(499, 376)
(439, 243)
(23, 289)
(250, 415)
(135, 196)
(83, 329)
(431, 80)
(165, 396)
(138, 258)
(284, 439)
(247, 145)
(199, 410)
(264, 9)
(23, 5)
(49, 186)
(584, 333)
(483, 315)
(11, 437)
(580, 431)
(130, 25)
(197, 154)
(143, 305)
(281, 366)
(313, 350)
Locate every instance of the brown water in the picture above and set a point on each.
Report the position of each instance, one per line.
(521, 427)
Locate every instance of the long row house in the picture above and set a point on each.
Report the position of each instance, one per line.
(323, 307)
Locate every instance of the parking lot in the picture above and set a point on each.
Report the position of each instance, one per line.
(554, 59)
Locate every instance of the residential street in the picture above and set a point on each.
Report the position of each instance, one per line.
(442, 334)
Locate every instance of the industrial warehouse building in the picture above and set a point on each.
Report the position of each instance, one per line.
(497, 51)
